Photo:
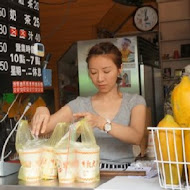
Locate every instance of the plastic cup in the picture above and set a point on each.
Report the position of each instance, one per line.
(66, 165)
(88, 164)
(29, 183)
(48, 164)
(30, 164)
(49, 183)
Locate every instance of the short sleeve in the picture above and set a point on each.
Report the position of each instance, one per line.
(80, 104)
(137, 100)
(75, 105)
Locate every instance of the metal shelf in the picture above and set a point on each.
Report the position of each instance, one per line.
(179, 59)
(173, 40)
(177, 20)
(171, 79)
(166, 1)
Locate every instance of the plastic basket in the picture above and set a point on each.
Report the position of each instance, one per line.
(172, 156)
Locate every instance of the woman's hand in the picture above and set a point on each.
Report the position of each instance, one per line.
(92, 119)
(40, 120)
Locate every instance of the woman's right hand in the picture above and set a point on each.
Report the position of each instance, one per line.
(40, 120)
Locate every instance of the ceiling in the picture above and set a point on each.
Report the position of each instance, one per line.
(69, 21)
(64, 22)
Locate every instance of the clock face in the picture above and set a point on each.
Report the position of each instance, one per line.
(145, 18)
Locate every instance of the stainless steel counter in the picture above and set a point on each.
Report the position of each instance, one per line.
(12, 182)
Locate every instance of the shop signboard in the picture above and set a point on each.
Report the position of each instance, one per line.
(20, 69)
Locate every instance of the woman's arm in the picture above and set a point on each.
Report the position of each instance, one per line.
(43, 122)
(132, 134)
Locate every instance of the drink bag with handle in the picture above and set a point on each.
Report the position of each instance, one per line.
(29, 150)
(48, 168)
(87, 154)
(66, 157)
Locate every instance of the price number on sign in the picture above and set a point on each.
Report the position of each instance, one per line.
(3, 47)
(3, 12)
(36, 6)
(4, 66)
(3, 29)
(36, 21)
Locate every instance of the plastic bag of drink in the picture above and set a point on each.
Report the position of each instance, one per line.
(29, 149)
(77, 155)
(48, 168)
(87, 154)
(66, 157)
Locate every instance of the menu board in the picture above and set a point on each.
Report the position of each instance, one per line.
(20, 69)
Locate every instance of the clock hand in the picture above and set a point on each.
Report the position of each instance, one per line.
(146, 17)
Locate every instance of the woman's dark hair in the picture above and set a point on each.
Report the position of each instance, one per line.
(106, 48)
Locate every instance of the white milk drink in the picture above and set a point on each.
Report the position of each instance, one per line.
(88, 164)
(66, 165)
(48, 164)
(30, 164)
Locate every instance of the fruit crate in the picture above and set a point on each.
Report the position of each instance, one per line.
(172, 156)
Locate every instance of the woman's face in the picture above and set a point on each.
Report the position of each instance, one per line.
(103, 72)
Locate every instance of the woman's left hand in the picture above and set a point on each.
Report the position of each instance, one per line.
(92, 119)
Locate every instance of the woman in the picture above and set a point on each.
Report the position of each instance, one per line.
(118, 119)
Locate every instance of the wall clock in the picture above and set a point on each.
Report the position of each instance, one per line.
(145, 18)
